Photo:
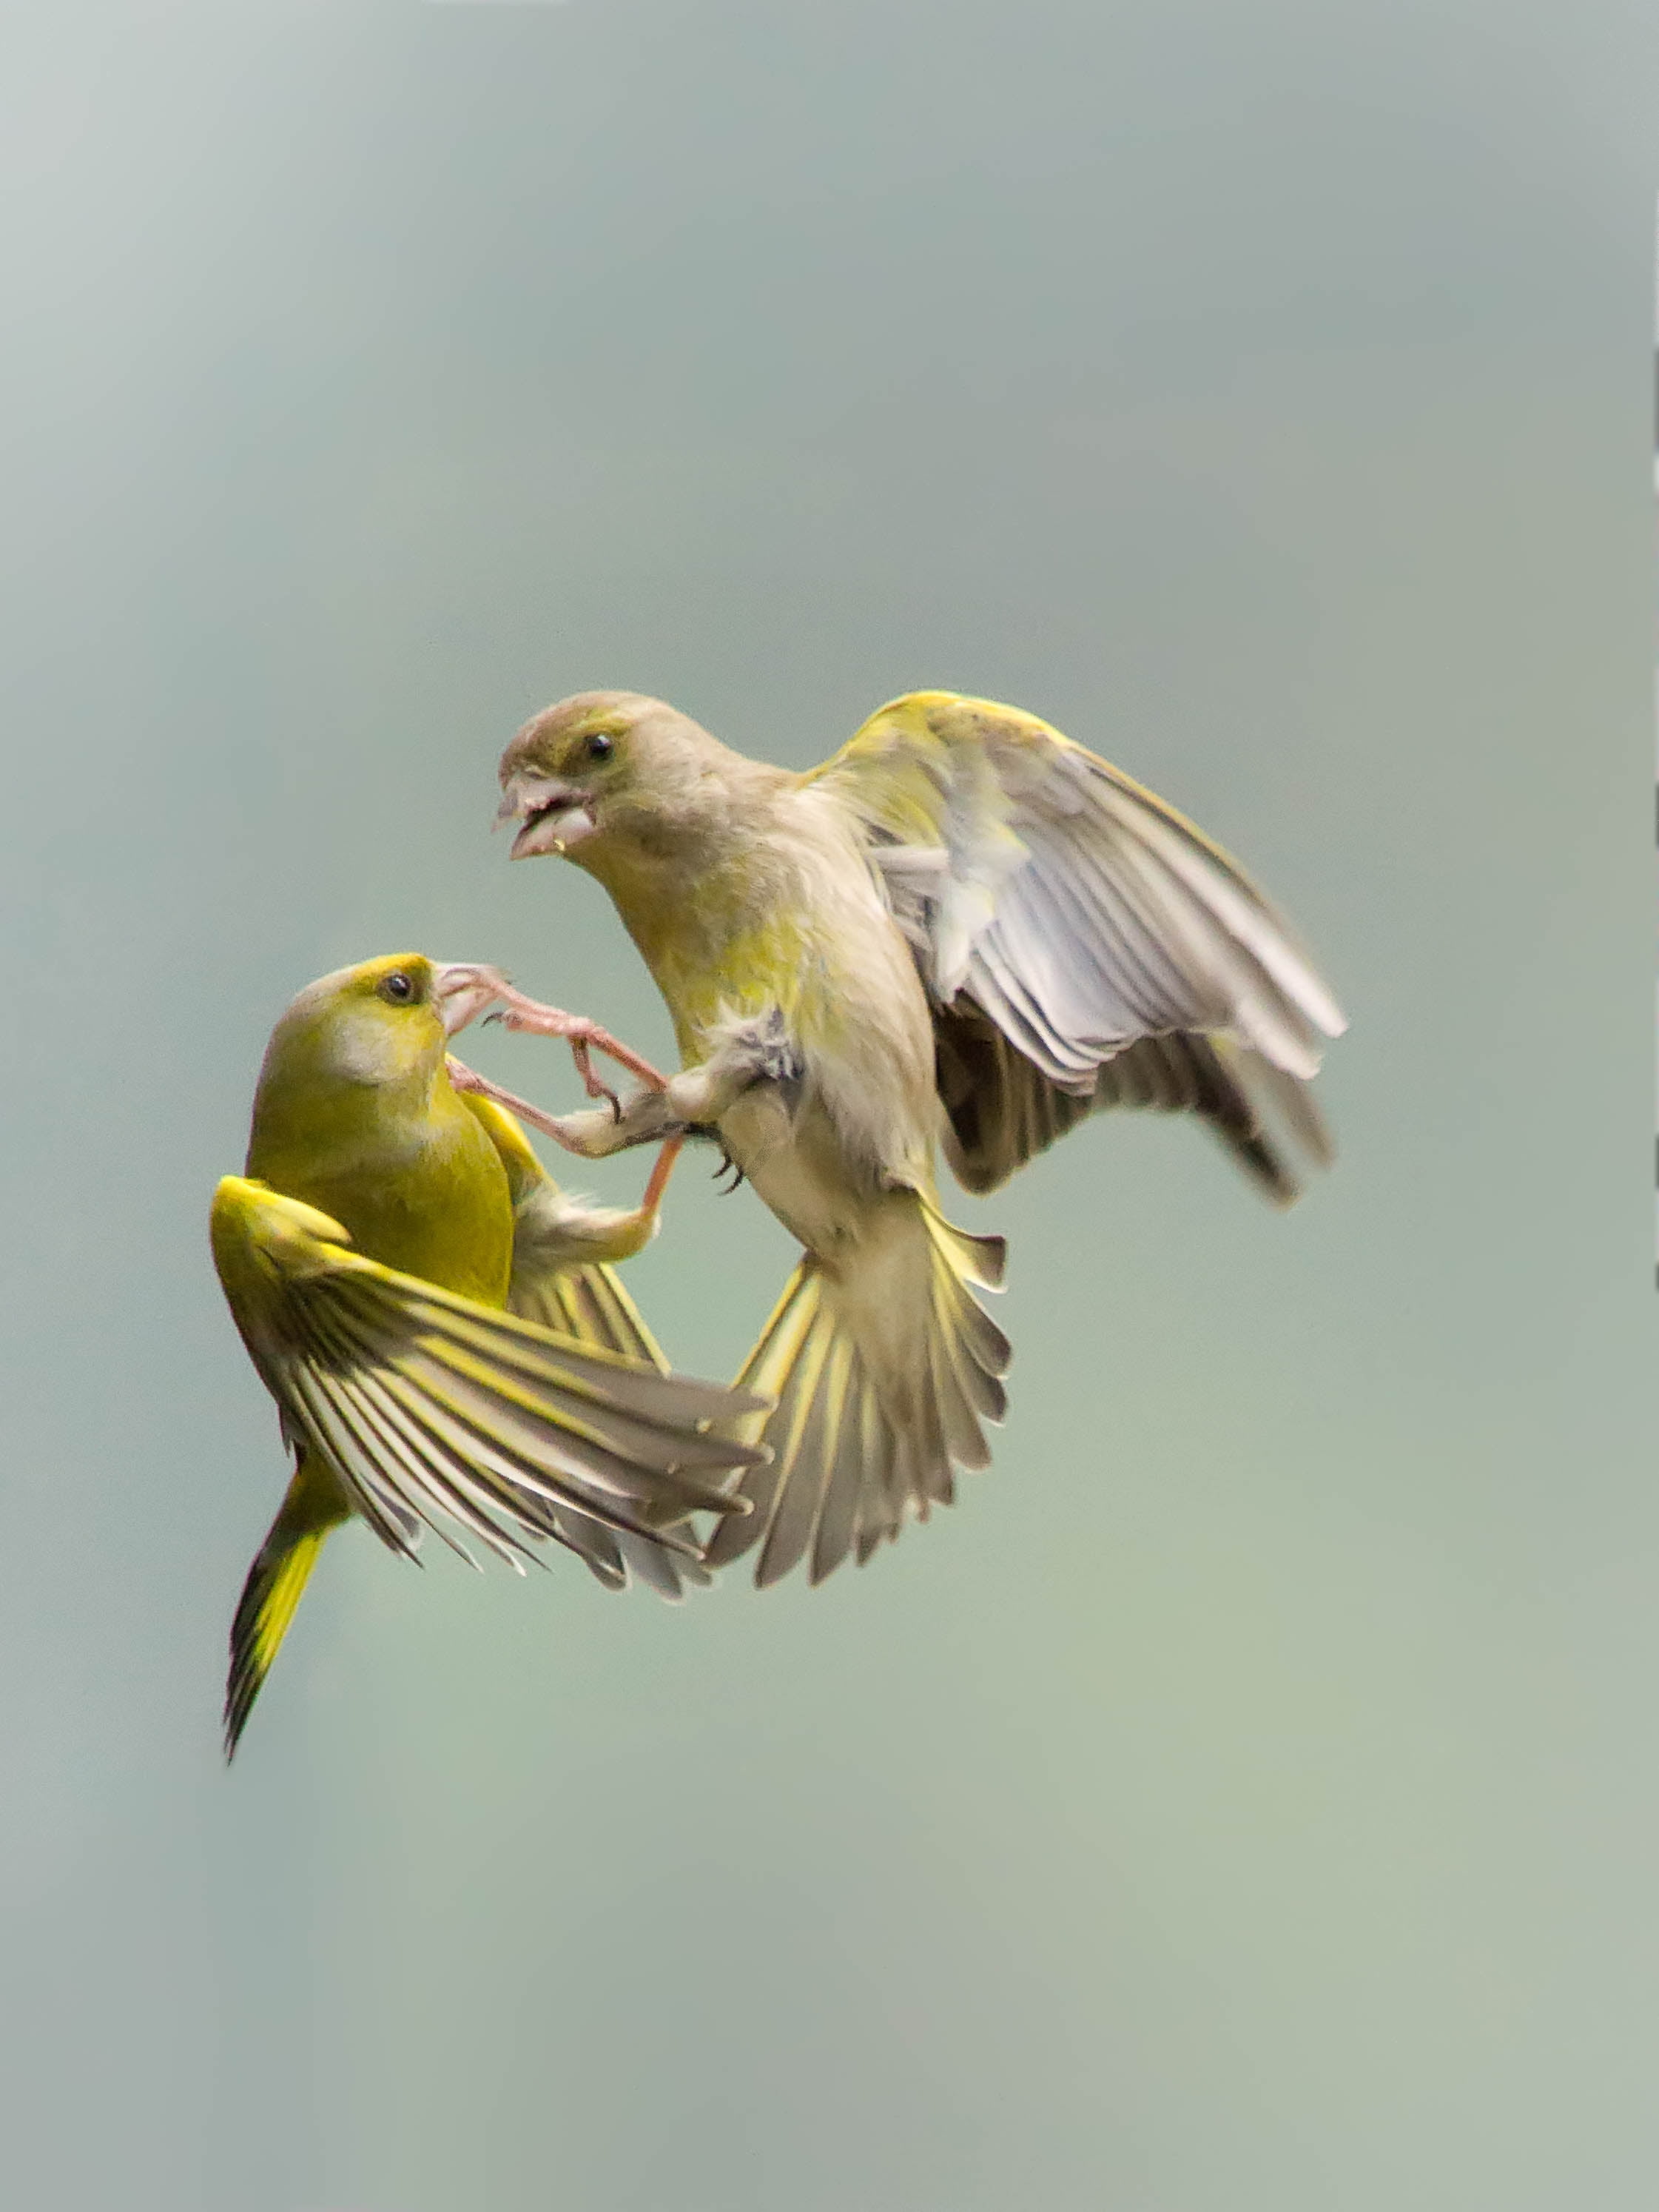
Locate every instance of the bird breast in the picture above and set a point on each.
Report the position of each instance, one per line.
(811, 934)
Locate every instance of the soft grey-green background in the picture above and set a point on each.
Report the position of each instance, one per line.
(1246, 1801)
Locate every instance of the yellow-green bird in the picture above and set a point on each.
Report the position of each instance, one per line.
(963, 926)
(446, 1341)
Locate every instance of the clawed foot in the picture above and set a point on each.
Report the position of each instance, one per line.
(563, 1130)
(583, 1035)
(747, 1050)
(464, 990)
(728, 1166)
(646, 1118)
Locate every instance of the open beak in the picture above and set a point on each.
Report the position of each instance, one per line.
(461, 991)
(555, 815)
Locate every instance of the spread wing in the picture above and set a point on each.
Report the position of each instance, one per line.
(1084, 944)
(429, 1408)
(558, 1283)
(1001, 1111)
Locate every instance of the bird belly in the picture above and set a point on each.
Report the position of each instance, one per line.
(797, 1166)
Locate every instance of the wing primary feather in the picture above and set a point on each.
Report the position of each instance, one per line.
(394, 1525)
(468, 1477)
(490, 1451)
(619, 1457)
(585, 1370)
(430, 1498)
(435, 1487)
(1240, 908)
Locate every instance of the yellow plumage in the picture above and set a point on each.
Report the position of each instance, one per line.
(447, 1343)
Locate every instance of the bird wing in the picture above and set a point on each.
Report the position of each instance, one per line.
(1003, 1111)
(1064, 920)
(430, 1408)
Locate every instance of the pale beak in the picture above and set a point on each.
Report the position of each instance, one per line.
(555, 815)
(462, 990)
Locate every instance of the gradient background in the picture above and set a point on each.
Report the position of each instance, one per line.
(1247, 1798)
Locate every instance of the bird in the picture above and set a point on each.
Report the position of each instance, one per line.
(439, 1325)
(963, 930)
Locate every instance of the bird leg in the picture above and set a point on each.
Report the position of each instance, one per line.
(754, 1049)
(584, 1036)
(464, 990)
(657, 1184)
(592, 1136)
(551, 1125)
(646, 1118)
(751, 1051)
(553, 1230)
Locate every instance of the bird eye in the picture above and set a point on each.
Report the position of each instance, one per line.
(397, 987)
(600, 747)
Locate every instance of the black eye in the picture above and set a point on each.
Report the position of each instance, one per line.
(399, 988)
(600, 747)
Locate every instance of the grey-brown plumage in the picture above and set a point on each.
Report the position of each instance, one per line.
(964, 928)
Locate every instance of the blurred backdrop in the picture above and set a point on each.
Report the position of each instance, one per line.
(1245, 1801)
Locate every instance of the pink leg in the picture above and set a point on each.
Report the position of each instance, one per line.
(467, 1079)
(662, 1168)
(584, 1037)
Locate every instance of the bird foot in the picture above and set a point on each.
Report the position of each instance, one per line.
(728, 1166)
(564, 1130)
(583, 1035)
(745, 1050)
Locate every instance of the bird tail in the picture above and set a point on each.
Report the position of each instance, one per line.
(274, 1583)
(884, 1367)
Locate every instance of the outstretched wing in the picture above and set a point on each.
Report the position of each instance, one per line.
(1001, 1111)
(561, 1281)
(1068, 924)
(430, 1408)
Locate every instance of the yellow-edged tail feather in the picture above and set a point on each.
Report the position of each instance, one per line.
(275, 1584)
(884, 1376)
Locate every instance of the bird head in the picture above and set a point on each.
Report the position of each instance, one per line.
(384, 1022)
(605, 770)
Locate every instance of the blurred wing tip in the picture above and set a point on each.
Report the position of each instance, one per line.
(1322, 1009)
(738, 1402)
(743, 1457)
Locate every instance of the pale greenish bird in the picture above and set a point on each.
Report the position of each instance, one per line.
(964, 927)
(446, 1339)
